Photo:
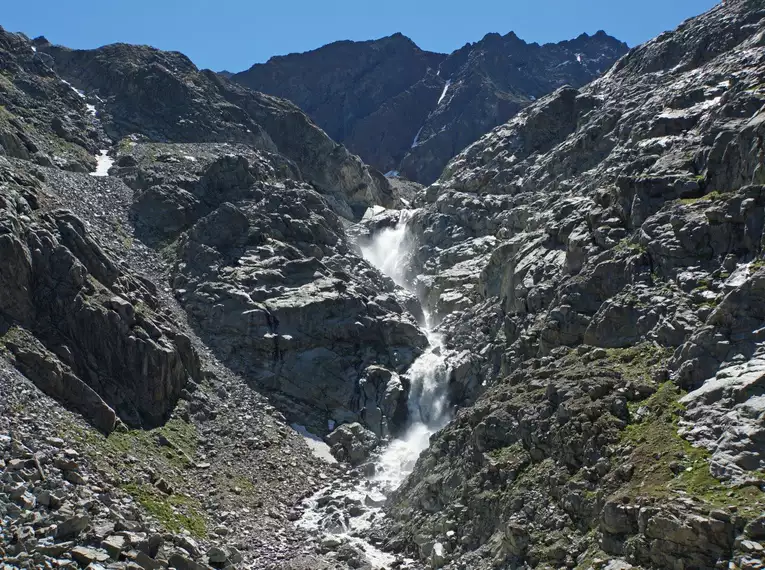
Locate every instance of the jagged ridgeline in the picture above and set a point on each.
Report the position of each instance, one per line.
(194, 278)
(406, 110)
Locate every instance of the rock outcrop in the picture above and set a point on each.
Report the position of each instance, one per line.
(404, 109)
(43, 118)
(265, 272)
(161, 95)
(88, 332)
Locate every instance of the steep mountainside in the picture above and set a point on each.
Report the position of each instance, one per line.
(403, 109)
(225, 344)
(164, 97)
(160, 302)
(596, 265)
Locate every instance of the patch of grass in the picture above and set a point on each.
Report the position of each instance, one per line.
(173, 444)
(174, 512)
(168, 249)
(511, 453)
(13, 334)
(123, 235)
(124, 146)
(712, 196)
(628, 246)
(238, 484)
(638, 362)
(667, 465)
(6, 82)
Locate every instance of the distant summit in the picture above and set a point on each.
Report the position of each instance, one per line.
(409, 111)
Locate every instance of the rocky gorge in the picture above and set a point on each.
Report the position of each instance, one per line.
(226, 342)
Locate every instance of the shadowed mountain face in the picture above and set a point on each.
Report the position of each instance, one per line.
(404, 109)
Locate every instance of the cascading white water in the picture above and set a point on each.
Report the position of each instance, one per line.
(427, 405)
(388, 251)
(428, 412)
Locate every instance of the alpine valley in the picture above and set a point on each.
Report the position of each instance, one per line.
(228, 340)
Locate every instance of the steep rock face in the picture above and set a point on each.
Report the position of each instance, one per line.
(343, 82)
(84, 329)
(626, 214)
(163, 96)
(490, 81)
(402, 109)
(42, 118)
(270, 281)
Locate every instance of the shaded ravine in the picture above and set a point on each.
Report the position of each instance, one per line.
(345, 510)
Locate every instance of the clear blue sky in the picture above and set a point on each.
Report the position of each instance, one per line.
(234, 34)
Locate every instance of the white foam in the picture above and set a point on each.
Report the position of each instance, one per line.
(428, 407)
(387, 253)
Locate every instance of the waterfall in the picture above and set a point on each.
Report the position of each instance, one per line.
(428, 375)
(428, 409)
(388, 251)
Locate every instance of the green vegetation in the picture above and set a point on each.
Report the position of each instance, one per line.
(124, 146)
(122, 234)
(171, 446)
(638, 362)
(667, 465)
(712, 196)
(175, 512)
(126, 454)
(6, 82)
(628, 246)
(510, 454)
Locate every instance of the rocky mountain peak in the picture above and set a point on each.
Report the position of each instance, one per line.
(407, 111)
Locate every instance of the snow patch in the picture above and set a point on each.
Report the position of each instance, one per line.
(443, 93)
(105, 162)
(91, 109)
(416, 140)
(392, 174)
(315, 444)
(579, 57)
(73, 88)
(189, 158)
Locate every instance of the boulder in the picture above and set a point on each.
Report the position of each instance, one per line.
(352, 443)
